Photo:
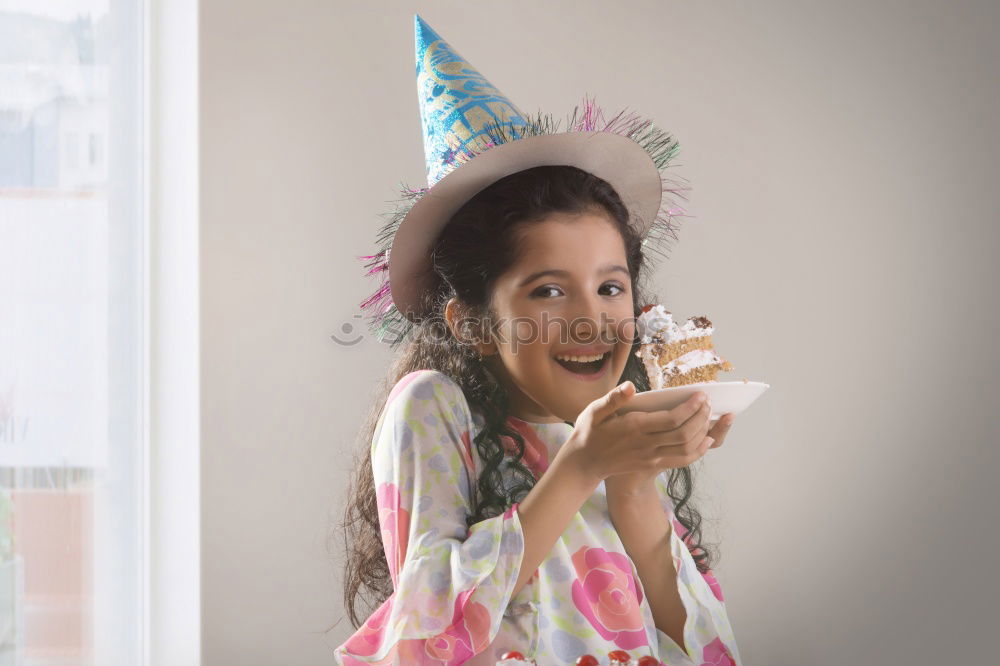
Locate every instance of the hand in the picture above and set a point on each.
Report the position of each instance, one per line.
(634, 484)
(605, 443)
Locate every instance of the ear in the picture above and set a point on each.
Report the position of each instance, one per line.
(451, 316)
(456, 319)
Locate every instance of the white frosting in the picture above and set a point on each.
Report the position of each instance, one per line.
(652, 321)
(695, 358)
(653, 371)
(657, 322)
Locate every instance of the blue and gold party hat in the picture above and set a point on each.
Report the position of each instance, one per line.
(457, 103)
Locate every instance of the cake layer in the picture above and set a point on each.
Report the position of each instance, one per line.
(673, 350)
(704, 373)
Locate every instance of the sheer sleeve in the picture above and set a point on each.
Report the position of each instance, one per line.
(451, 583)
(708, 635)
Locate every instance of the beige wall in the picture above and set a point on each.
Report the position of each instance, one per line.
(843, 160)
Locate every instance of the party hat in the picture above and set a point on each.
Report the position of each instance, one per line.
(457, 104)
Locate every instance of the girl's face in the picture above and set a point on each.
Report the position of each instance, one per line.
(569, 294)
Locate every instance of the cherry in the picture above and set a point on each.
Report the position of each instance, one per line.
(513, 654)
(619, 656)
(647, 308)
(587, 660)
(649, 661)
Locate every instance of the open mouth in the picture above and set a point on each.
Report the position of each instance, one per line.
(588, 368)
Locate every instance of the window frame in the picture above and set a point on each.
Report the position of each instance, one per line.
(172, 631)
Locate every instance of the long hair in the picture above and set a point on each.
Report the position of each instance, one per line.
(479, 244)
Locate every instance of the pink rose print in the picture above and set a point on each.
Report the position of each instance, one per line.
(467, 452)
(536, 454)
(351, 661)
(606, 593)
(708, 575)
(405, 651)
(395, 523)
(468, 635)
(717, 654)
(385, 661)
(367, 639)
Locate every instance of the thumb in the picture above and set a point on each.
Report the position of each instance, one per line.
(605, 406)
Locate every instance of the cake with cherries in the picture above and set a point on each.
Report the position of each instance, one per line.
(614, 658)
(675, 355)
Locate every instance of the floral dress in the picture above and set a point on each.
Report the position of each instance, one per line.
(452, 584)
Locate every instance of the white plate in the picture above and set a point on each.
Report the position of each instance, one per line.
(724, 397)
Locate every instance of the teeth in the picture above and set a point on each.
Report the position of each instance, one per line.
(580, 359)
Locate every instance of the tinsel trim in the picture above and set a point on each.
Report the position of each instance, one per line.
(390, 325)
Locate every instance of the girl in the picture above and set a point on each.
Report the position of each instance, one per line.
(501, 502)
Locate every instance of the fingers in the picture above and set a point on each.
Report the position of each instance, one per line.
(721, 429)
(673, 456)
(671, 419)
(695, 431)
(605, 406)
(684, 444)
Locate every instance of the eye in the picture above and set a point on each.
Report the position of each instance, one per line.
(621, 290)
(540, 292)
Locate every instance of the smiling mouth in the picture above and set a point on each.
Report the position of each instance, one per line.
(589, 368)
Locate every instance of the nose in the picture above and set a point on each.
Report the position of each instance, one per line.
(590, 322)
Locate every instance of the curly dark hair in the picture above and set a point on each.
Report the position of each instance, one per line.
(479, 244)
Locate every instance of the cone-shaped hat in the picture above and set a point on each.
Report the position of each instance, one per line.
(457, 103)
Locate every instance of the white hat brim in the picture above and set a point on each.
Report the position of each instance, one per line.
(617, 159)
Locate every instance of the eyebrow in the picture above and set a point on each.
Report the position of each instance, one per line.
(563, 273)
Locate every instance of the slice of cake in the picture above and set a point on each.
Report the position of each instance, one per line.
(676, 355)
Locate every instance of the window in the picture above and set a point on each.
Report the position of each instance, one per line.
(72, 384)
